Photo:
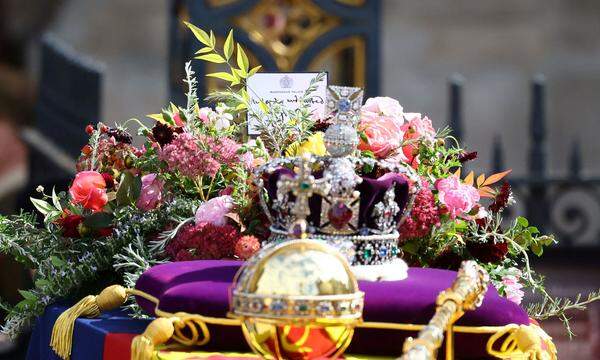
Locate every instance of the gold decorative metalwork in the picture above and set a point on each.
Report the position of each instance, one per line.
(219, 3)
(285, 28)
(466, 293)
(303, 186)
(298, 299)
(352, 2)
(330, 58)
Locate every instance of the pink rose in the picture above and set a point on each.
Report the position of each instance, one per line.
(214, 210)
(381, 120)
(383, 106)
(89, 190)
(151, 193)
(416, 128)
(458, 198)
(512, 287)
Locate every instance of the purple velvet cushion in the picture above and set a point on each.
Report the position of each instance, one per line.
(202, 287)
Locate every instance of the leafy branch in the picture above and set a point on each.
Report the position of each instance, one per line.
(561, 306)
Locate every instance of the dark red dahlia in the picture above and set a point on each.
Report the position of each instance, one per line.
(109, 180)
(120, 135)
(69, 224)
(467, 156)
(501, 200)
(447, 259)
(489, 252)
(322, 124)
(163, 134)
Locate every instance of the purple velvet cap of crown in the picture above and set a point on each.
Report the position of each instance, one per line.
(371, 192)
(202, 287)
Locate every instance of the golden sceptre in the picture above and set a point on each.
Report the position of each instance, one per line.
(466, 293)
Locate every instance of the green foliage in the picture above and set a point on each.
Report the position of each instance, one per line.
(129, 189)
(65, 265)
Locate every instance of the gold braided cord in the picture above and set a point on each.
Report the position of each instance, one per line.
(136, 292)
(518, 341)
(521, 342)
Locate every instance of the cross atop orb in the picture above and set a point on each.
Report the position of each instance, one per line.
(303, 186)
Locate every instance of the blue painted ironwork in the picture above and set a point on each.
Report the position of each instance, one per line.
(567, 205)
(456, 82)
(362, 21)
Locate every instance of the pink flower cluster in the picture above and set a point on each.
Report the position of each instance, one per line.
(424, 215)
(512, 287)
(184, 154)
(225, 149)
(209, 241)
(458, 198)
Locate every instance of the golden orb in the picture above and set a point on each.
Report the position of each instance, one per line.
(297, 300)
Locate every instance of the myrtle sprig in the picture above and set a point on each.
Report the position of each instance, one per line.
(237, 75)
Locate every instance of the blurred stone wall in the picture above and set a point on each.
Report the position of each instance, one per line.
(130, 38)
(496, 45)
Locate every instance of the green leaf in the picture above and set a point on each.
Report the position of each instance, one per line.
(56, 200)
(363, 137)
(168, 119)
(240, 73)
(213, 39)
(533, 230)
(99, 220)
(254, 70)
(228, 46)
(263, 107)
(41, 283)
(222, 75)
(56, 261)
(28, 295)
(537, 249)
(52, 215)
(411, 247)
(42, 206)
(204, 50)
(129, 189)
(200, 34)
(213, 58)
(242, 59)
(368, 153)
(523, 222)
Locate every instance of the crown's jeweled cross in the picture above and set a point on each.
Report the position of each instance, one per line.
(303, 186)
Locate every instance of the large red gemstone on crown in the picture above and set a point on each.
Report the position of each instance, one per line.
(339, 215)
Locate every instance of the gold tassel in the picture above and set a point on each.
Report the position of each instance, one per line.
(90, 306)
(158, 332)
